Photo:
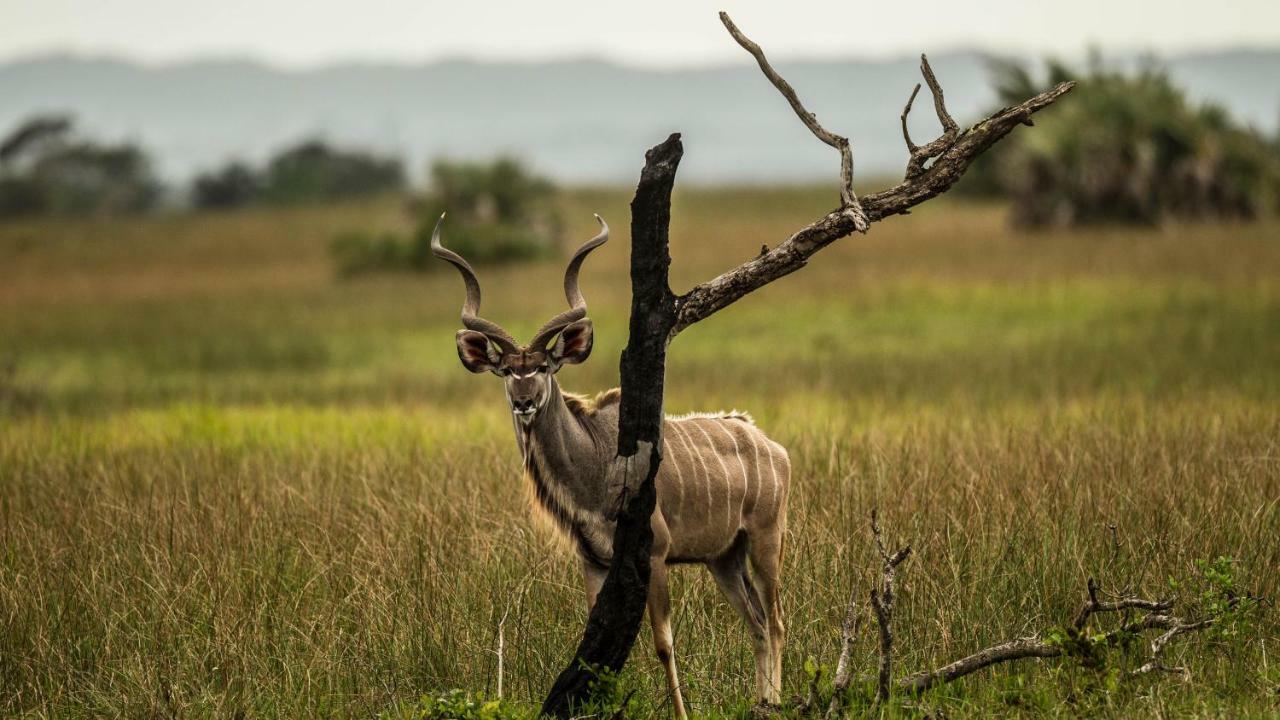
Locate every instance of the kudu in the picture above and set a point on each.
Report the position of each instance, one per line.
(721, 487)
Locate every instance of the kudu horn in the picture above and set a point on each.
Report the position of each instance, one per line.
(470, 319)
(577, 304)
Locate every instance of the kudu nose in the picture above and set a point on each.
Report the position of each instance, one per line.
(522, 405)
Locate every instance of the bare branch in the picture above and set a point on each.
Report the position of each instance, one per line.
(1004, 652)
(1094, 605)
(848, 199)
(882, 604)
(950, 131)
(794, 252)
(1158, 644)
(906, 134)
(844, 666)
(939, 103)
(1157, 618)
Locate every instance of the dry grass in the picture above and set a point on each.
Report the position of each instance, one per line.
(233, 483)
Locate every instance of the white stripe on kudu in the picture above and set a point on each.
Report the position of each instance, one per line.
(755, 497)
(773, 471)
(728, 511)
(737, 451)
(688, 448)
(671, 459)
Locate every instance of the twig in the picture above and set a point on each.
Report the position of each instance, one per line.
(848, 199)
(882, 604)
(921, 154)
(906, 134)
(1094, 605)
(844, 667)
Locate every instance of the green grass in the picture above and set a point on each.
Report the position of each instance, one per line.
(230, 482)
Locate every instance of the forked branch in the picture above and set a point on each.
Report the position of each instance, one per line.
(950, 131)
(882, 605)
(848, 198)
(951, 153)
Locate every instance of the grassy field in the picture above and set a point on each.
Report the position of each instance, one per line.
(234, 486)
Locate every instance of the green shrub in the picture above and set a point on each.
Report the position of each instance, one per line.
(234, 185)
(355, 253)
(313, 170)
(498, 212)
(1127, 148)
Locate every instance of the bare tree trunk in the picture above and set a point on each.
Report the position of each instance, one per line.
(657, 315)
(613, 624)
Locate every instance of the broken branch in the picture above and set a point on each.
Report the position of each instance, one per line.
(848, 199)
(882, 604)
(952, 153)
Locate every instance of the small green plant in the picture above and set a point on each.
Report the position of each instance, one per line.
(457, 705)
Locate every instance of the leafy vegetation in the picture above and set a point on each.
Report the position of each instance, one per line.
(498, 212)
(46, 169)
(244, 488)
(1127, 147)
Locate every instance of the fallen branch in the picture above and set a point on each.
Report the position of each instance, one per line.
(1072, 640)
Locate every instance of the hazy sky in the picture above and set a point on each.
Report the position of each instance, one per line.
(304, 33)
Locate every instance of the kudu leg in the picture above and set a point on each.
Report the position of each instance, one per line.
(731, 575)
(766, 565)
(593, 579)
(660, 619)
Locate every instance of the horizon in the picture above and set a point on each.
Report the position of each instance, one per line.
(1108, 55)
(668, 34)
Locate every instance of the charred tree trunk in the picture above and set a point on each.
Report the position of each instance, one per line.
(615, 620)
(657, 315)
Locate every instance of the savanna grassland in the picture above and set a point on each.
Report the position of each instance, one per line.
(232, 485)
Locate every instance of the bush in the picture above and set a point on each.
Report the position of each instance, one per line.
(497, 212)
(311, 171)
(235, 185)
(356, 253)
(1127, 148)
(46, 170)
(314, 171)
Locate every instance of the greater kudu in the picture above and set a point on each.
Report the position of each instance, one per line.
(721, 487)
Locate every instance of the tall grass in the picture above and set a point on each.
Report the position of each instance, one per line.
(236, 485)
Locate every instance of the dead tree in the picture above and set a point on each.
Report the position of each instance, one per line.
(658, 315)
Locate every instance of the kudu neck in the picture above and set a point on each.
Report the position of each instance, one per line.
(566, 447)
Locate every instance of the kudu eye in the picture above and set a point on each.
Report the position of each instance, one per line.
(541, 369)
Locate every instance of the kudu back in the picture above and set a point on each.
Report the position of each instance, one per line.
(721, 487)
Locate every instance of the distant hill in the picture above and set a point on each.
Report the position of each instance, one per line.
(577, 120)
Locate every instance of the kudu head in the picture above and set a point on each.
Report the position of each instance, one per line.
(526, 370)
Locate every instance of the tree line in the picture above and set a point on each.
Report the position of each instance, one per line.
(1127, 148)
(48, 168)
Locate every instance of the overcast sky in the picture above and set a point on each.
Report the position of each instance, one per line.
(306, 33)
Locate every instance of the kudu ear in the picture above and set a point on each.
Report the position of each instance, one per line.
(476, 352)
(574, 343)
